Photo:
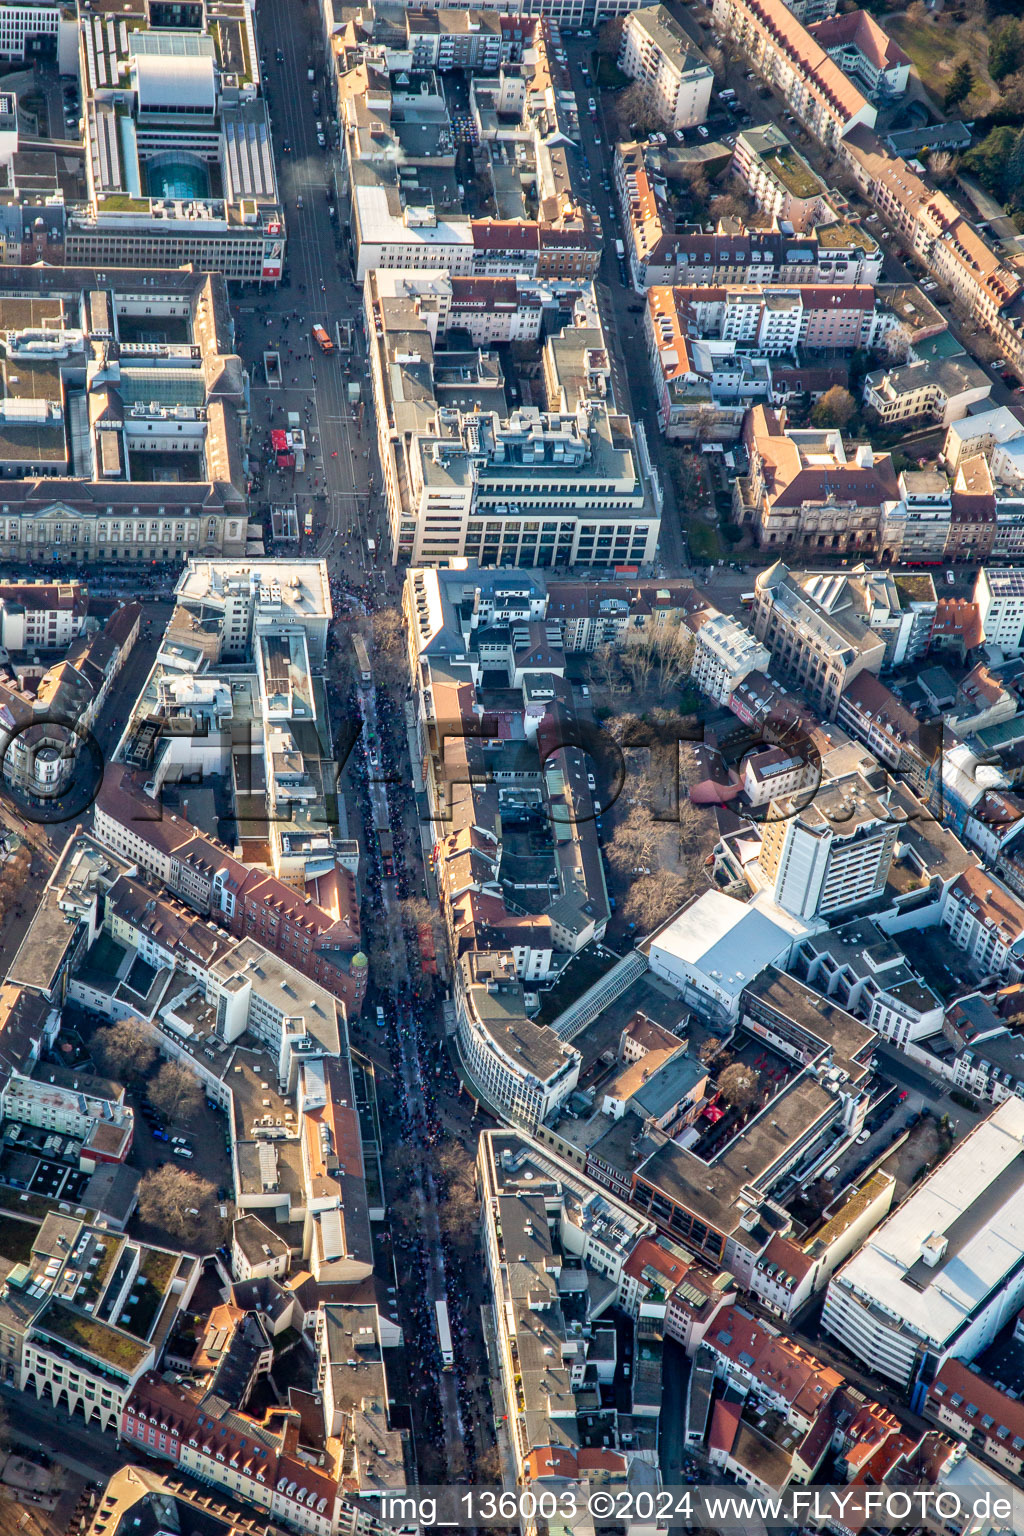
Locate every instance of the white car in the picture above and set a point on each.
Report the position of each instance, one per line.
(179, 1141)
(950, 578)
(182, 1152)
(591, 105)
(702, 130)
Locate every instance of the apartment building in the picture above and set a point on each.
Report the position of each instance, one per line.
(254, 1462)
(986, 921)
(779, 180)
(447, 39)
(716, 350)
(868, 973)
(163, 105)
(88, 1314)
(938, 234)
(466, 476)
(988, 431)
(979, 1412)
(805, 488)
(573, 15)
(896, 1305)
(537, 1217)
(246, 901)
(786, 56)
(66, 1103)
(491, 309)
(940, 388)
(675, 76)
(999, 595)
(661, 250)
(832, 855)
(41, 616)
(865, 53)
(815, 642)
(724, 653)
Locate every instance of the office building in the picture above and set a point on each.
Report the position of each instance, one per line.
(945, 1272)
(716, 946)
(466, 475)
(117, 447)
(675, 76)
(39, 29)
(806, 488)
(816, 642)
(179, 161)
(940, 388)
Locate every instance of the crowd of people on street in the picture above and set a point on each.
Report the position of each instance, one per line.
(428, 1104)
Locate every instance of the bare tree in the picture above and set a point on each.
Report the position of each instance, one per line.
(941, 166)
(604, 668)
(125, 1049)
(740, 1085)
(389, 647)
(653, 898)
(709, 1050)
(728, 205)
(716, 58)
(634, 113)
(170, 1197)
(176, 1091)
(897, 343)
(609, 39)
(633, 844)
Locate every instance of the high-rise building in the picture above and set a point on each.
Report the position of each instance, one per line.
(832, 855)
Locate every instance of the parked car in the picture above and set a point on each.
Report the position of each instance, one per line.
(182, 1151)
(179, 1141)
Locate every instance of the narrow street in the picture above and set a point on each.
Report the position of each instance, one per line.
(411, 1072)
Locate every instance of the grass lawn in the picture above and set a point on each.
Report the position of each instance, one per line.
(936, 44)
(703, 540)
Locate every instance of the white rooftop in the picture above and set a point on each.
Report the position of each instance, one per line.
(974, 1201)
(730, 941)
(172, 83)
